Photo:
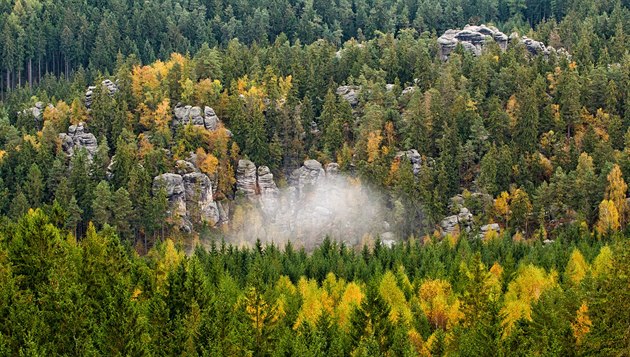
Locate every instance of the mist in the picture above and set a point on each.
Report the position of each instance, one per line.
(334, 205)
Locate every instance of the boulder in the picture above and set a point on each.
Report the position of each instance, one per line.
(173, 184)
(307, 176)
(349, 94)
(109, 86)
(474, 38)
(483, 230)
(35, 112)
(76, 138)
(187, 114)
(414, 157)
(246, 178)
(463, 219)
(199, 202)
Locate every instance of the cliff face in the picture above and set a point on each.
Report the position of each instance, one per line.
(475, 38)
(317, 201)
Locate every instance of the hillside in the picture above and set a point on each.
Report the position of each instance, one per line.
(283, 177)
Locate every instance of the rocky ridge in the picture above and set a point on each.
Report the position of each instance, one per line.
(474, 38)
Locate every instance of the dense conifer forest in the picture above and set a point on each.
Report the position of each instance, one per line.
(308, 178)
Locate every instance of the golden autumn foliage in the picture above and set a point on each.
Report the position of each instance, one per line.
(502, 207)
(616, 190)
(207, 163)
(373, 145)
(603, 263)
(392, 294)
(313, 301)
(577, 267)
(439, 303)
(167, 257)
(608, 217)
(582, 324)
(351, 298)
(525, 289)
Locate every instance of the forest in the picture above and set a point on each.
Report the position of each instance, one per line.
(283, 177)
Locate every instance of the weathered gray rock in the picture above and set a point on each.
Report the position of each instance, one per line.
(246, 178)
(408, 90)
(474, 38)
(307, 176)
(266, 184)
(332, 169)
(184, 167)
(200, 205)
(463, 219)
(173, 185)
(269, 192)
(206, 118)
(110, 86)
(350, 94)
(414, 157)
(76, 138)
(190, 199)
(483, 230)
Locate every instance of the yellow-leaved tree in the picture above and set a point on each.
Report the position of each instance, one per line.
(577, 268)
(616, 192)
(351, 298)
(529, 284)
(608, 217)
(439, 303)
(392, 294)
(603, 263)
(582, 324)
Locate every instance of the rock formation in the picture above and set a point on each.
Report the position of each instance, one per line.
(414, 157)
(350, 94)
(36, 112)
(111, 87)
(246, 178)
(76, 138)
(492, 227)
(190, 199)
(205, 118)
(305, 178)
(316, 202)
(463, 219)
(474, 38)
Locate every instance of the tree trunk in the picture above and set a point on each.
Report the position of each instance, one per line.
(30, 73)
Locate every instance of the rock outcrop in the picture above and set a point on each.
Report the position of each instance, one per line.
(110, 86)
(474, 38)
(190, 199)
(486, 228)
(463, 220)
(200, 205)
(350, 94)
(206, 118)
(414, 157)
(316, 202)
(246, 178)
(36, 112)
(76, 138)
(306, 177)
(173, 185)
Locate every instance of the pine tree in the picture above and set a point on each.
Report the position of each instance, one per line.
(122, 213)
(101, 206)
(34, 186)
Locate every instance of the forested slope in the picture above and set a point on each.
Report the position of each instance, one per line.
(307, 178)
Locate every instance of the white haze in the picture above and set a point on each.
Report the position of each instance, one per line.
(336, 206)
